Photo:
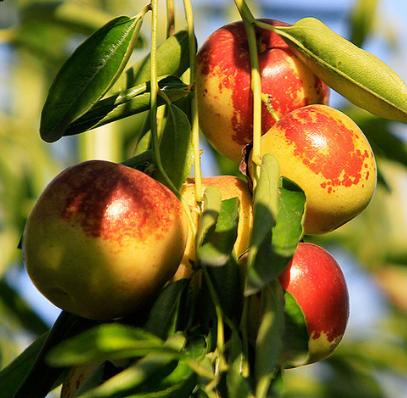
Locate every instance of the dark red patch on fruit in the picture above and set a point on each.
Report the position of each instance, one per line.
(225, 56)
(326, 146)
(316, 281)
(113, 202)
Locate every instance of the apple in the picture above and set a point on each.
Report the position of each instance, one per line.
(103, 238)
(316, 282)
(229, 187)
(224, 92)
(324, 152)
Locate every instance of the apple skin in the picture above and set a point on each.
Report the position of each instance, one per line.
(229, 187)
(327, 155)
(223, 85)
(103, 238)
(315, 280)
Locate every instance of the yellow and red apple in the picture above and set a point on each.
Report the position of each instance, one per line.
(103, 238)
(324, 152)
(224, 91)
(316, 282)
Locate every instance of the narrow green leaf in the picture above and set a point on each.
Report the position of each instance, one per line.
(288, 229)
(182, 389)
(295, 334)
(362, 19)
(212, 205)
(227, 282)
(88, 74)
(41, 378)
(154, 365)
(175, 146)
(164, 315)
(172, 59)
(237, 385)
(269, 342)
(108, 341)
(127, 103)
(265, 212)
(12, 376)
(279, 244)
(217, 246)
(355, 73)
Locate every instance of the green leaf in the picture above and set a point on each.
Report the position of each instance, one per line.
(227, 282)
(172, 59)
(288, 229)
(265, 212)
(16, 372)
(296, 338)
(41, 378)
(355, 73)
(212, 205)
(217, 246)
(88, 74)
(108, 341)
(362, 19)
(126, 103)
(269, 342)
(178, 384)
(175, 147)
(164, 315)
(154, 365)
(237, 385)
(279, 244)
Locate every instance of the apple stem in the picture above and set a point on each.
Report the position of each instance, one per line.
(194, 105)
(249, 21)
(153, 97)
(170, 18)
(266, 99)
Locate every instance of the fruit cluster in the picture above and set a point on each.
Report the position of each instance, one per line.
(104, 238)
(318, 147)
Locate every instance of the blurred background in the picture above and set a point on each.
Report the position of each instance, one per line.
(35, 39)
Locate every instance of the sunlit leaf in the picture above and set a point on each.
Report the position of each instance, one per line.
(12, 376)
(150, 366)
(218, 244)
(269, 342)
(88, 74)
(265, 213)
(127, 103)
(295, 333)
(279, 245)
(41, 378)
(212, 205)
(355, 73)
(164, 316)
(108, 341)
(172, 59)
(238, 386)
(175, 147)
